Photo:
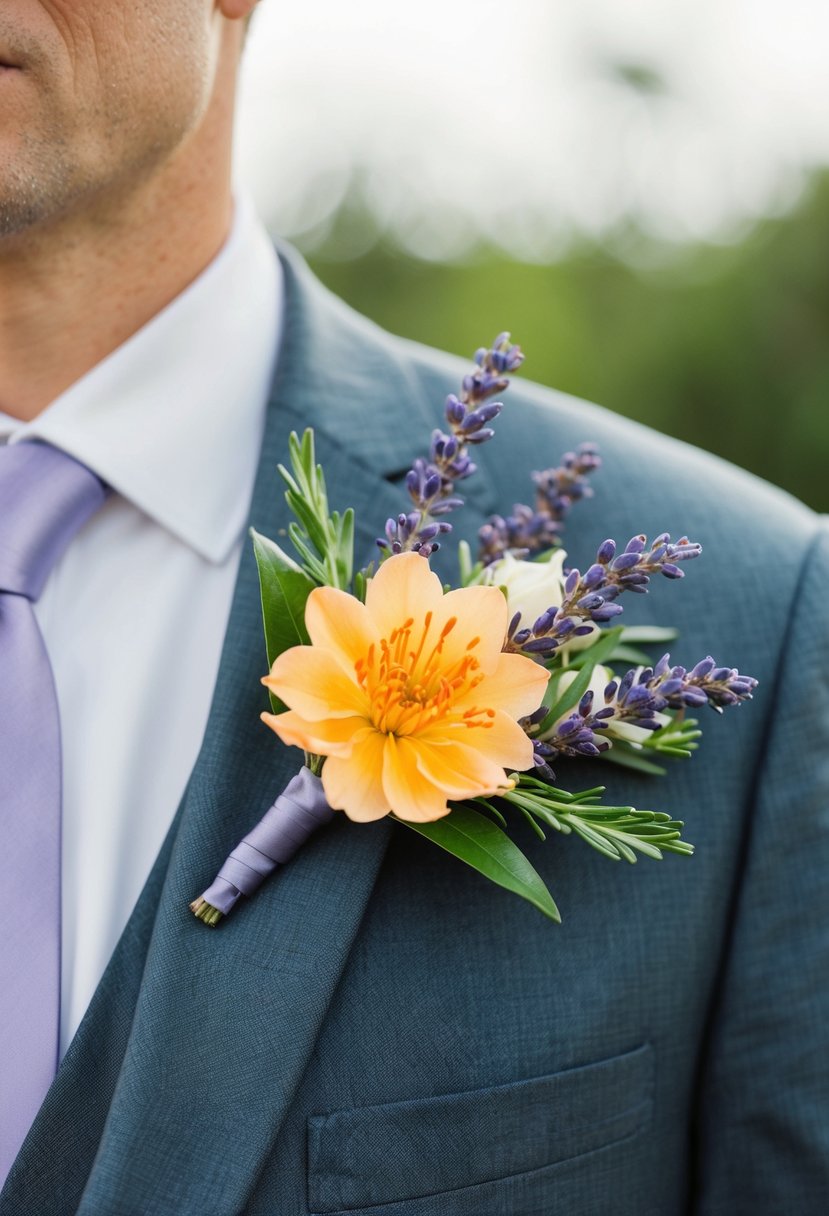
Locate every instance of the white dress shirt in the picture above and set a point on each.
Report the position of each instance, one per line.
(134, 614)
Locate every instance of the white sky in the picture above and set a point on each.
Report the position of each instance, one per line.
(462, 119)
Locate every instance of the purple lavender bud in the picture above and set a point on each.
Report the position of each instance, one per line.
(694, 697)
(455, 410)
(636, 544)
(581, 631)
(571, 582)
(662, 666)
(644, 723)
(702, 669)
(606, 552)
(545, 622)
(432, 485)
(671, 686)
(588, 603)
(594, 576)
(610, 691)
(586, 703)
(565, 627)
(625, 561)
(480, 355)
(461, 468)
(481, 416)
(480, 436)
(540, 645)
(445, 505)
(522, 637)
(720, 674)
(672, 571)
(606, 612)
(513, 625)
(429, 532)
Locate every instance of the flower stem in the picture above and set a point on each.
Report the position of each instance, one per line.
(204, 911)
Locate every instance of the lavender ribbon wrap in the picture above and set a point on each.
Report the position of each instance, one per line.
(299, 810)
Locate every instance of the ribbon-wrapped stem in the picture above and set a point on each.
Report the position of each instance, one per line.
(299, 810)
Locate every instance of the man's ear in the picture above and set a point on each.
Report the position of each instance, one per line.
(236, 10)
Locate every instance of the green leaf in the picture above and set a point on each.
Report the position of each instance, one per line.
(628, 758)
(648, 635)
(284, 589)
(476, 840)
(595, 656)
(631, 656)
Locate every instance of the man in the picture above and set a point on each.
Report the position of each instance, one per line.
(379, 1031)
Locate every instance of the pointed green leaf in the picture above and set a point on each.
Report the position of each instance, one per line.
(284, 588)
(627, 758)
(648, 635)
(476, 840)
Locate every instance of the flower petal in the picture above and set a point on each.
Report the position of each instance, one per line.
(479, 612)
(516, 686)
(412, 795)
(460, 771)
(312, 682)
(327, 737)
(404, 587)
(501, 740)
(339, 623)
(353, 784)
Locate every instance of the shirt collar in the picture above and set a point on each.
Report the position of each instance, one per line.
(173, 418)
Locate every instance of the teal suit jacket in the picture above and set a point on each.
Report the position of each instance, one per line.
(380, 1032)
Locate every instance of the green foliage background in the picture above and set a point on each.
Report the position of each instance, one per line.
(724, 346)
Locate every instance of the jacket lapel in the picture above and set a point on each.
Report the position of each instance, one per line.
(225, 1020)
(174, 1090)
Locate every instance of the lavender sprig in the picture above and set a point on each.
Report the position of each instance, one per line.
(639, 699)
(431, 481)
(534, 530)
(592, 596)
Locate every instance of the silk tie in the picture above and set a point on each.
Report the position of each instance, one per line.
(45, 497)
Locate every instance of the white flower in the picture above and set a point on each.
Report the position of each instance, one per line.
(533, 587)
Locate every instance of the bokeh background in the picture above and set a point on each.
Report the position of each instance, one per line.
(637, 189)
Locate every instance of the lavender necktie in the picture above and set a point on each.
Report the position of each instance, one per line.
(45, 497)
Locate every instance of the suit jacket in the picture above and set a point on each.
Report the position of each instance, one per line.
(381, 1032)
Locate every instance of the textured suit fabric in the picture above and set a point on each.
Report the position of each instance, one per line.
(380, 1031)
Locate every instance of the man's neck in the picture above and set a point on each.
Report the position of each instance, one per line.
(74, 292)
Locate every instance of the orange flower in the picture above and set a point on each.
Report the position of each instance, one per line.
(409, 695)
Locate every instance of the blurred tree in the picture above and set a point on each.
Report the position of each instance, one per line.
(724, 346)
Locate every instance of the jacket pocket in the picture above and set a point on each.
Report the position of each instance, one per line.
(376, 1155)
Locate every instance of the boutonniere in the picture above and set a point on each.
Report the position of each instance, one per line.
(452, 709)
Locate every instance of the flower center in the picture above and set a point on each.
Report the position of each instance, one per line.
(411, 685)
